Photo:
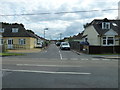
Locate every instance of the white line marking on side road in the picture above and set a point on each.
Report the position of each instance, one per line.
(64, 58)
(45, 51)
(60, 55)
(84, 59)
(95, 59)
(106, 59)
(36, 65)
(74, 59)
(47, 72)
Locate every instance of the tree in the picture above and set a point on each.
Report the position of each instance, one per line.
(22, 25)
(86, 25)
(30, 31)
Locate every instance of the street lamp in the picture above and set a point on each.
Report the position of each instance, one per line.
(60, 36)
(45, 29)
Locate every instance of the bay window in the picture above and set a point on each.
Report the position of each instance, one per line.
(107, 41)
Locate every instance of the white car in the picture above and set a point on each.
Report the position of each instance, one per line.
(39, 45)
(65, 45)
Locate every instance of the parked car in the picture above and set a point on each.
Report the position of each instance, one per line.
(39, 45)
(65, 46)
(58, 43)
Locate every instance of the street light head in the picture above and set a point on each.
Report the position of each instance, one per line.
(45, 28)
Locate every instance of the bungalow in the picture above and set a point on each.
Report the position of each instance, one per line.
(102, 32)
(15, 36)
(103, 35)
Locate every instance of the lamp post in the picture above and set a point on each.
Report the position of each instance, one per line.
(60, 36)
(45, 29)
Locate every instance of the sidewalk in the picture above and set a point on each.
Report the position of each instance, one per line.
(102, 56)
(26, 51)
(113, 57)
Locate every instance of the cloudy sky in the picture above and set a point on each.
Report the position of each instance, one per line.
(68, 24)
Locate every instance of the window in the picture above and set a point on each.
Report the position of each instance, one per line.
(14, 30)
(10, 41)
(21, 41)
(1, 41)
(104, 40)
(105, 25)
(1, 30)
(108, 40)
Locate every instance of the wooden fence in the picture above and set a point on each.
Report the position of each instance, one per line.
(90, 49)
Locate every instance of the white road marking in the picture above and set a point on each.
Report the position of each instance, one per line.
(35, 65)
(64, 58)
(84, 59)
(46, 65)
(106, 59)
(95, 59)
(74, 59)
(60, 55)
(47, 72)
(45, 51)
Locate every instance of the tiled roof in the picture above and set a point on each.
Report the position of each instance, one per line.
(97, 23)
(22, 32)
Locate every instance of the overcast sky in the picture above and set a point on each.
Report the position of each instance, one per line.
(68, 24)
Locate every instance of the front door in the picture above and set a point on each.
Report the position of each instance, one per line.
(10, 43)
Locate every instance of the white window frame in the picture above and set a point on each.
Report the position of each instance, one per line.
(2, 30)
(106, 41)
(105, 25)
(1, 41)
(14, 30)
(22, 41)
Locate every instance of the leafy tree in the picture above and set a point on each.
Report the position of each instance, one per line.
(30, 31)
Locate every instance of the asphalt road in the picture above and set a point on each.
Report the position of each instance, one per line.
(53, 68)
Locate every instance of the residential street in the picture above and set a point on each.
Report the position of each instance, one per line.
(55, 68)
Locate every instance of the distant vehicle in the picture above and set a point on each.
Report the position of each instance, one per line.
(39, 45)
(58, 43)
(65, 46)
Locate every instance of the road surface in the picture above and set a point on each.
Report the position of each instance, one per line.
(53, 68)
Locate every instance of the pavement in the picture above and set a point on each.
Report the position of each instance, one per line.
(102, 56)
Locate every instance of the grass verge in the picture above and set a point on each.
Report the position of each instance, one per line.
(11, 54)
